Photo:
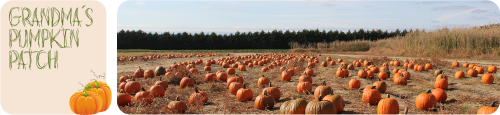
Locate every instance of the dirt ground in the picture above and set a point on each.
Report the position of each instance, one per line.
(465, 96)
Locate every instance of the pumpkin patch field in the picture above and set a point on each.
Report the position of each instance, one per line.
(303, 83)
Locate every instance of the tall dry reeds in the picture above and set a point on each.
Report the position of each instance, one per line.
(336, 46)
(444, 42)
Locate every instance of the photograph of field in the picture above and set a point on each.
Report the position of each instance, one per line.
(308, 57)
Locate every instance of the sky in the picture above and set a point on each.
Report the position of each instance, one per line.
(224, 17)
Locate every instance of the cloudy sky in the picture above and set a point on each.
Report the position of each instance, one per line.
(230, 16)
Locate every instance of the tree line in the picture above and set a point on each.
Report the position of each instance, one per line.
(276, 39)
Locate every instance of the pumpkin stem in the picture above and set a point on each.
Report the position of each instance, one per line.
(270, 84)
(293, 98)
(96, 84)
(319, 99)
(196, 90)
(324, 83)
(244, 86)
(236, 80)
(177, 98)
(133, 79)
(373, 87)
(88, 87)
(160, 78)
(428, 91)
(85, 93)
(388, 96)
(121, 91)
(406, 110)
(142, 89)
(189, 75)
(493, 103)
(265, 92)
(331, 93)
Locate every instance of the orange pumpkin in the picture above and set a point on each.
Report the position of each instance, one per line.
(157, 91)
(198, 97)
(231, 71)
(309, 71)
(264, 101)
(383, 75)
(132, 87)
(428, 66)
(388, 106)
(103, 90)
(123, 99)
(263, 81)
(426, 101)
(85, 102)
(304, 87)
(346, 72)
(332, 63)
(273, 92)
(286, 76)
(362, 74)
(354, 84)
(488, 109)
(492, 69)
(439, 94)
(143, 97)
(210, 77)
(305, 78)
(459, 74)
(149, 73)
(488, 78)
(472, 73)
(371, 96)
(207, 68)
(244, 94)
(186, 82)
(400, 80)
(139, 73)
(176, 106)
(455, 64)
(233, 79)
(396, 63)
(370, 74)
(322, 89)
(234, 87)
(222, 76)
(340, 73)
(242, 68)
(480, 70)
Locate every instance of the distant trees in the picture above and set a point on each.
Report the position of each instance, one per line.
(276, 39)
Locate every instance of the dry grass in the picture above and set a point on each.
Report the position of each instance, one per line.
(465, 96)
(456, 42)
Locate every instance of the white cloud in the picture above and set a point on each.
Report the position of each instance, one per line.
(206, 7)
(453, 15)
(327, 5)
(140, 3)
(229, 7)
